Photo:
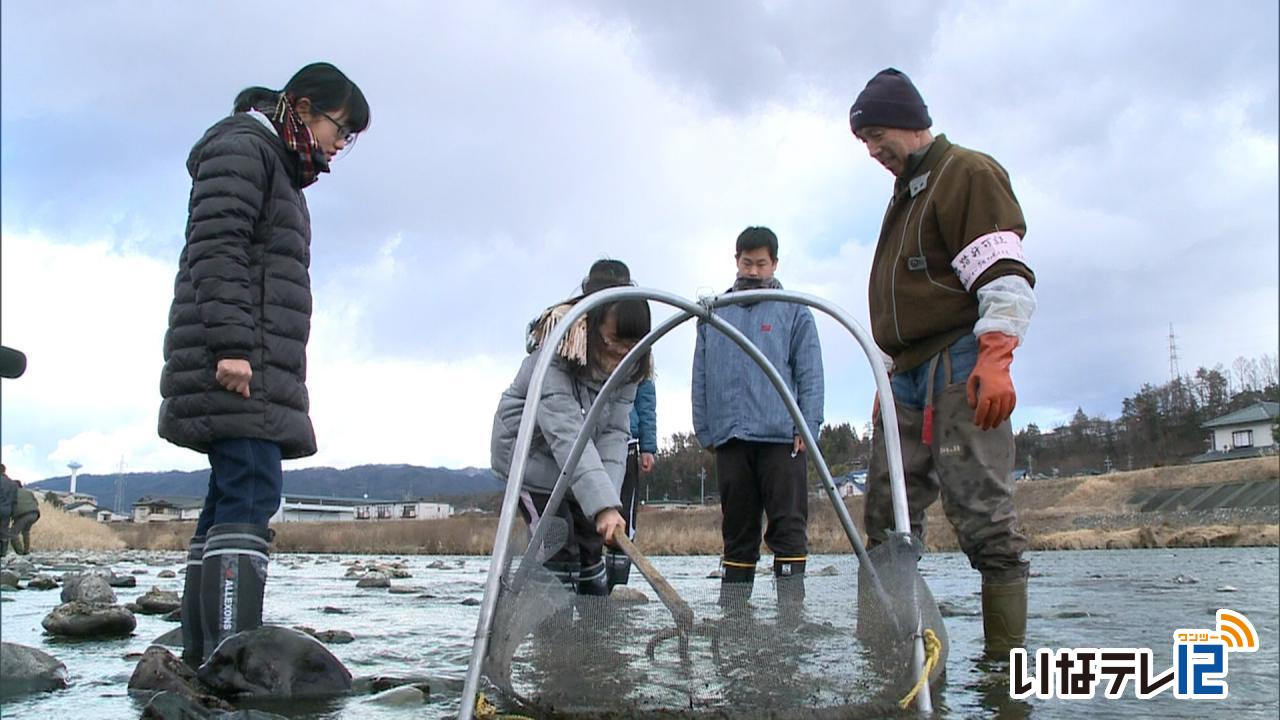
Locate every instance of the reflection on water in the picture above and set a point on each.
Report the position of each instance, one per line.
(1119, 598)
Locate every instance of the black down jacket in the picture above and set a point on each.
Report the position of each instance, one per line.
(243, 291)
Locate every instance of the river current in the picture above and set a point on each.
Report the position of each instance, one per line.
(1083, 599)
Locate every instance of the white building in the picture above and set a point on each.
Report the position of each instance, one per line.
(165, 508)
(315, 508)
(1243, 433)
(402, 510)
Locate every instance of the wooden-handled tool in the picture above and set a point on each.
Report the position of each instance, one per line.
(680, 610)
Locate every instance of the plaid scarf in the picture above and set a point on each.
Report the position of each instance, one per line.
(298, 138)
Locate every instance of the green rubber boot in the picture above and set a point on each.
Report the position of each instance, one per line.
(1004, 617)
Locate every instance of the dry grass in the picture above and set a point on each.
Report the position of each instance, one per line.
(1160, 536)
(1047, 509)
(57, 530)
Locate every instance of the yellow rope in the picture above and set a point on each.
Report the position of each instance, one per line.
(932, 651)
(486, 710)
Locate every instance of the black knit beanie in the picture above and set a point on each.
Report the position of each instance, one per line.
(889, 100)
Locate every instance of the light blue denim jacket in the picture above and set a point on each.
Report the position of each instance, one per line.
(732, 397)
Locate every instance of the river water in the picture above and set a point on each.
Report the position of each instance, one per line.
(1096, 599)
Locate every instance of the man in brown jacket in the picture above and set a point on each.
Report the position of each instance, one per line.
(950, 297)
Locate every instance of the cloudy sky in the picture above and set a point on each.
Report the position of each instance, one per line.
(514, 143)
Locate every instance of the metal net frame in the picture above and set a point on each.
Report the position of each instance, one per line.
(550, 653)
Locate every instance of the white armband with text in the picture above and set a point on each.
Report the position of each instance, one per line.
(985, 251)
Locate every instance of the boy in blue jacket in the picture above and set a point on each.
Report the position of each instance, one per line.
(760, 456)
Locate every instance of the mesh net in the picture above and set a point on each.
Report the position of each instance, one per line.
(553, 653)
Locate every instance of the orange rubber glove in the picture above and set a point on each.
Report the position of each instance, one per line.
(990, 387)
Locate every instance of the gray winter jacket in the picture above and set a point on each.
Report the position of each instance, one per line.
(732, 397)
(243, 291)
(565, 401)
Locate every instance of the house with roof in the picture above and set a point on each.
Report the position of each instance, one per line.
(165, 508)
(1244, 433)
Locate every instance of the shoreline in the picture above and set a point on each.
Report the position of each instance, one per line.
(1084, 513)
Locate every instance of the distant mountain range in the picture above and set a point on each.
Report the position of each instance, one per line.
(381, 482)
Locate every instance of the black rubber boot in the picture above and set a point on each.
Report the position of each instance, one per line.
(736, 584)
(233, 579)
(1004, 617)
(192, 631)
(619, 568)
(594, 580)
(788, 575)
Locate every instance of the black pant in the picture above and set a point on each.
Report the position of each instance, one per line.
(584, 547)
(631, 488)
(758, 478)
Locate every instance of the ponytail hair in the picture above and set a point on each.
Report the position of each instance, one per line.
(328, 88)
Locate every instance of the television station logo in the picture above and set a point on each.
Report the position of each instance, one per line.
(1199, 670)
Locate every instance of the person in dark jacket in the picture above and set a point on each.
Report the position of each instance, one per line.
(951, 297)
(26, 511)
(737, 414)
(588, 354)
(234, 377)
(8, 496)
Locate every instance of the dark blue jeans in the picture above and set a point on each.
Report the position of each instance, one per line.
(911, 388)
(245, 483)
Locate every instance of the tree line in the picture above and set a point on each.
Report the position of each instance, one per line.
(1158, 425)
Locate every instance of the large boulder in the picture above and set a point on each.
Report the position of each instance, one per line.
(89, 620)
(26, 670)
(158, 602)
(274, 662)
(9, 580)
(90, 586)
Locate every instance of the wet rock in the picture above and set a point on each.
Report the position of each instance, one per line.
(89, 587)
(382, 683)
(374, 580)
(438, 565)
(86, 620)
(173, 638)
(828, 571)
(405, 589)
(122, 581)
(334, 637)
(1072, 615)
(274, 662)
(1228, 588)
(42, 582)
(1185, 580)
(405, 696)
(628, 595)
(471, 602)
(330, 610)
(393, 571)
(176, 706)
(19, 565)
(949, 609)
(715, 575)
(158, 602)
(141, 571)
(159, 669)
(28, 670)
(9, 580)
(166, 574)
(174, 615)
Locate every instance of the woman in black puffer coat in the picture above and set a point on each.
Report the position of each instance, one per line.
(233, 383)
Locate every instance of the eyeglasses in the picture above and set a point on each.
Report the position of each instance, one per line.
(344, 132)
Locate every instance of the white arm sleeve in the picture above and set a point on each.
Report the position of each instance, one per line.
(1005, 305)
